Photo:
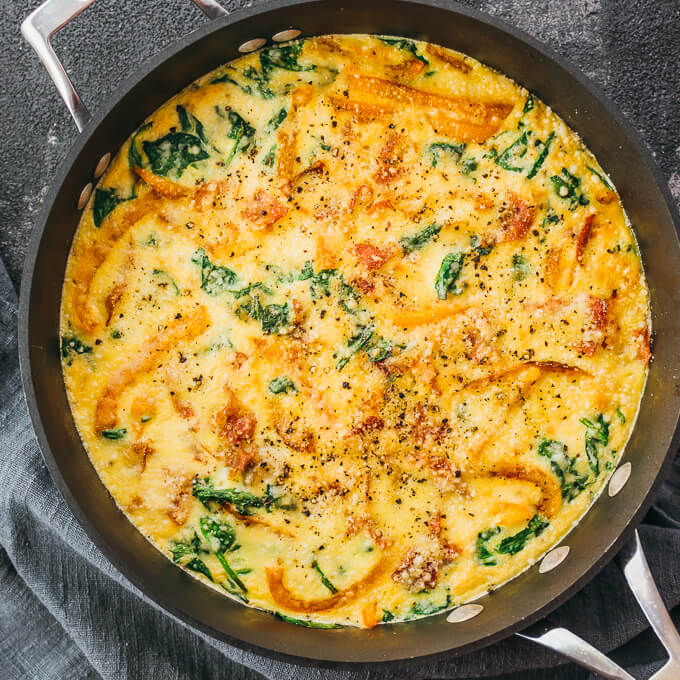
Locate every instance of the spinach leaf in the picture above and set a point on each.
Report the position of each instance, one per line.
(321, 282)
(438, 149)
(379, 349)
(184, 121)
(215, 279)
(232, 576)
(306, 623)
(520, 266)
(270, 157)
(260, 79)
(226, 78)
(355, 344)
(276, 120)
(566, 186)
(509, 158)
(189, 123)
(160, 273)
(551, 217)
(387, 616)
(134, 157)
(173, 153)
(243, 501)
(598, 430)
(477, 248)
(541, 156)
(468, 165)
(105, 201)
(258, 285)
(276, 497)
(180, 549)
(250, 308)
(197, 564)
(274, 318)
(448, 274)
(529, 104)
(324, 578)
(601, 177)
(564, 468)
(241, 132)
(596, 433)
(237, 594)
(419, 239)
(114, 434)
(71, 346)
(620, 416)
(220, 531)
(482, 553)
(284, 57)
(282, 384)
(427, 607)
(407, 46)
(513, 544)
(307, 271)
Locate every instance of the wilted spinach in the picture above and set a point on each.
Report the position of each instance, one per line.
(567, 187)
(513, 544)
(243, 501)
(448, 274)
(419, 239)
(438, 149)
(215, 279)
(597, 433)
(105, 202)
(564, 468)
(282, 385)
(407, 46)
(71, 346)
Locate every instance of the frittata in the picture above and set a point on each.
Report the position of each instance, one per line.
(354, 329)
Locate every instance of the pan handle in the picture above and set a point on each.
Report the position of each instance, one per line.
(640, 580)
(568, 644)
(41, 24)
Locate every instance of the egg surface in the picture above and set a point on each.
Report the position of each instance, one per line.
(354, 329)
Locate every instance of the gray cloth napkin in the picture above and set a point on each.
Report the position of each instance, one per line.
(66, 613)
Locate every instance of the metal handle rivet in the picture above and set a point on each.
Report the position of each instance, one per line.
(464, 613)
(102, 165)
(84, 195)
(252, 45)
(553, 559)
(619, 479)
(288, 34)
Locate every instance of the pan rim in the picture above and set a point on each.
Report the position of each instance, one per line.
(155, 595)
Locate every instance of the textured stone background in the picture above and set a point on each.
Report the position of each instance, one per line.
(631, 48)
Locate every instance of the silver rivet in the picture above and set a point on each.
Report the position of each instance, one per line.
(464, 613)
(619, 479)
(102, 165)
(288, 34)
(553, 559)
(252, 45)
(84, 195)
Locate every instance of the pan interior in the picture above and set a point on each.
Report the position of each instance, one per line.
(527, 596)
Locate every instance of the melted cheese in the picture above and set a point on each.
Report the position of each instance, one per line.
(354, 329)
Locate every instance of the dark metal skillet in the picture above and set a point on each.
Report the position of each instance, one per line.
(610, 522)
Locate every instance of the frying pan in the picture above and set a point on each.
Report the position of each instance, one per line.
(613, 517)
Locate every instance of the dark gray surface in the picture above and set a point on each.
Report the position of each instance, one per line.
(631, 48)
